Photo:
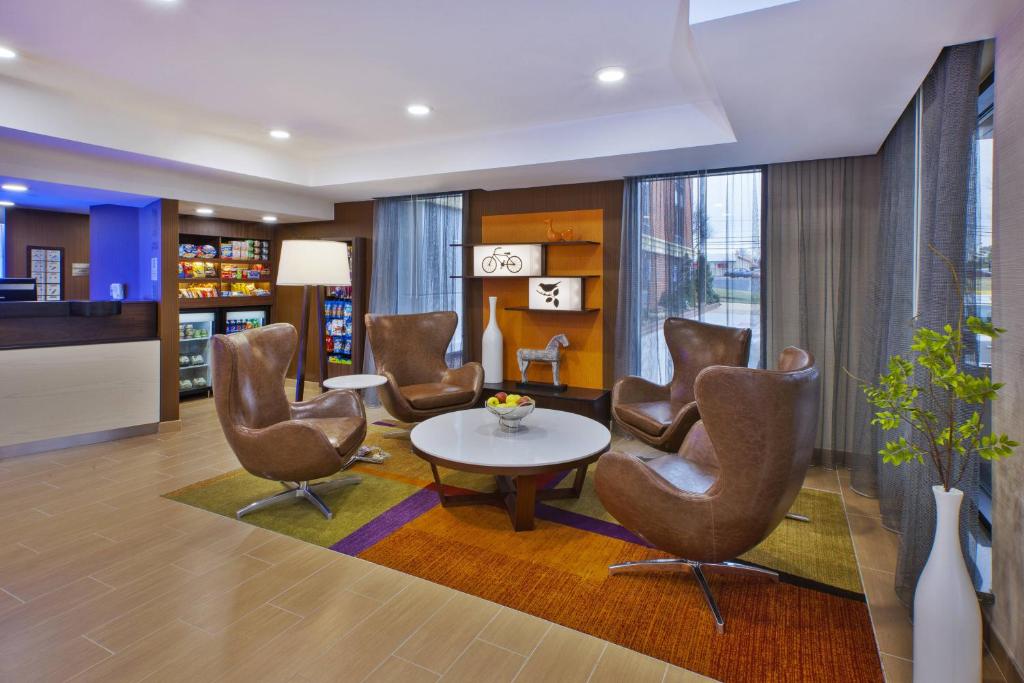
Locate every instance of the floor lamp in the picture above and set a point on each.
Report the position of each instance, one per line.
(312, 265)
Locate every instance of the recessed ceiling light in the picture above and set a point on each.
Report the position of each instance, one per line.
(279, 134)
(418, 109)
(270, 219)
(5, 202)
(7, 53)
(611, 74)
(204, 211)
(14, 187)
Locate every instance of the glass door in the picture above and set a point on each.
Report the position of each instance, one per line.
(242, 319)
(194, 332)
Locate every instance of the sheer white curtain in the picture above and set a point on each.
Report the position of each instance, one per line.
(413, 262)
(691, 248)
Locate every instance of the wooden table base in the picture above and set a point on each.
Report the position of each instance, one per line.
(519, 495)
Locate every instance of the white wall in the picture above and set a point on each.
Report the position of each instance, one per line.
(63, 391)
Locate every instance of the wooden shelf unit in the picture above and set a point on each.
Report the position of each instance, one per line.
(563, 243)
(218, 262)
(226, 302)
(518, 277)
(549, 310)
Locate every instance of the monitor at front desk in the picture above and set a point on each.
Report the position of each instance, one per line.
(17, 289)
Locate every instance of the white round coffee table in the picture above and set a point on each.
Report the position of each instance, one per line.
(355, 382)
(548, 441)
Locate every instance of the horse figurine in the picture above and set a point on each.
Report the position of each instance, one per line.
(552, 353)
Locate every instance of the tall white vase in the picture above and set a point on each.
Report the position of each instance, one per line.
(947, 617)
(493, 347)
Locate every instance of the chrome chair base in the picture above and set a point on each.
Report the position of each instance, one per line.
(698, 570)
(797, 518)
(302, 490)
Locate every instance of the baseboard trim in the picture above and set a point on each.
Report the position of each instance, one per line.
(32, 447)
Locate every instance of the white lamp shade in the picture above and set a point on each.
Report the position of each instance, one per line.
(314, 262)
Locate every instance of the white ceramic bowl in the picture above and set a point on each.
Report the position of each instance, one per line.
(510, 417)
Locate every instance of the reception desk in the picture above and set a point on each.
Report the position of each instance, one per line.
(77, 372)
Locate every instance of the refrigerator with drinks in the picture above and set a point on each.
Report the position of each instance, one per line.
(241, 319)
(195, 329)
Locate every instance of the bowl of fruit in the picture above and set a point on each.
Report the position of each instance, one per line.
(510, 409)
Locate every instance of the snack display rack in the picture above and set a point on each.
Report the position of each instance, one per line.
(223, 271)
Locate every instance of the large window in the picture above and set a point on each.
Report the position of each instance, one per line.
(413, 262)
(700, 258)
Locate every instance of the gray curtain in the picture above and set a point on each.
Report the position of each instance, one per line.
(691, 248)
(928, 169)
(821, 232)
(627, 321)
(413, 262)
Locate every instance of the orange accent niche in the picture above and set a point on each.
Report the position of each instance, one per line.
(582, 364)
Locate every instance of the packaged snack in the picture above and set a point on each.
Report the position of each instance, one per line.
(208, 251)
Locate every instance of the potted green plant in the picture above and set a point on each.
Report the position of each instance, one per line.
(926, 392)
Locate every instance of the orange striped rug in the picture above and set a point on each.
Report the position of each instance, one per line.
(812, 626)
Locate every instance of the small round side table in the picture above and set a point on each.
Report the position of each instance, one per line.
(357, 382)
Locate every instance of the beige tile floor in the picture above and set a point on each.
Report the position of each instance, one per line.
(101, 579)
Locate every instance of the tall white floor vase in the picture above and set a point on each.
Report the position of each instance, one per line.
(493, 347)
(947, 617)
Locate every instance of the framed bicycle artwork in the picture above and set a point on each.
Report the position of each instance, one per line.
(508, 260)
(46, 265)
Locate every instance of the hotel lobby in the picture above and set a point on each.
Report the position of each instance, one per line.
(668, 341)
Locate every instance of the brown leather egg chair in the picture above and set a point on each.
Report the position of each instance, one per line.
(661, 415)
(409, 350)
(273, 438)
(732, 481)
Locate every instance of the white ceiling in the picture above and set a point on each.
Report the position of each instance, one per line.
(190, 88)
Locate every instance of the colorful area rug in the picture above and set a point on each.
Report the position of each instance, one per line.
(812, 626)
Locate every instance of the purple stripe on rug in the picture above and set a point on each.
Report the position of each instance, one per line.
(388, 522)
(597, 526)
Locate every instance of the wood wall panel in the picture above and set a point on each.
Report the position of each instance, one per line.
(137, 321)
(351, 220)
(27, 227)
(223, 227)
(167, 320)
(605, 195)
(583, 364)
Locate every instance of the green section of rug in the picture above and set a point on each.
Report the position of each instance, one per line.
(820, 550)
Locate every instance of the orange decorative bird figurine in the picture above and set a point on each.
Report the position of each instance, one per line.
(553, 235)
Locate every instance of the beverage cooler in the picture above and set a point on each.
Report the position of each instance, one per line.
(338, 317)
(241, 319)
(342, 316)
(195, 329)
